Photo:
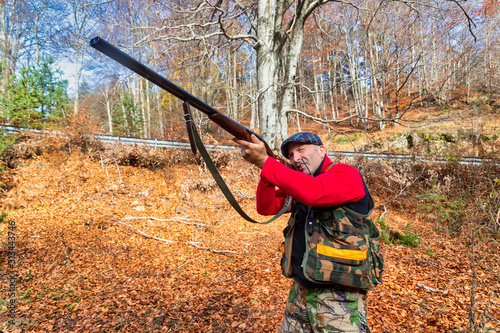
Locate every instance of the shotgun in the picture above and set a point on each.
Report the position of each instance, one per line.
(234, 128)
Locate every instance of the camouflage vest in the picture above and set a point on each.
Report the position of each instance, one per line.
(342, 247)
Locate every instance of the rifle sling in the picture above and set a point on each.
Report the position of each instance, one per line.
(189, 119)
(222, 185)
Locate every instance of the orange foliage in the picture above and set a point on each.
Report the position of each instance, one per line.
(79, 270)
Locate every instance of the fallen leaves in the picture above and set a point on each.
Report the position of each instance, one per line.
(86, 272)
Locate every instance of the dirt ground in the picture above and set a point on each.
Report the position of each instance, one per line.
(86, 259)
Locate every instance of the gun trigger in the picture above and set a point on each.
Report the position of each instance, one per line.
(189, 126)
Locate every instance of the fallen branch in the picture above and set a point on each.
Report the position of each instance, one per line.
(432, 289)
(145, 234)
(184, 263)
(195, 244)
(174, 219)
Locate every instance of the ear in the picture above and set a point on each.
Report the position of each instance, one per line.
(322, 151)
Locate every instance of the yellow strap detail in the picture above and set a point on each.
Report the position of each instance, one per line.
(340, 253)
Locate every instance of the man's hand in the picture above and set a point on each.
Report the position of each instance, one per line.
(253, 152)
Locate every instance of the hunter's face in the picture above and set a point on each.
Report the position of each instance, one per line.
(306, 157)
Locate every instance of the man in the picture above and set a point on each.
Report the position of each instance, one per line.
(328, 248)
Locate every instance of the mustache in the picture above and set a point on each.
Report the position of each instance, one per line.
(305, 164)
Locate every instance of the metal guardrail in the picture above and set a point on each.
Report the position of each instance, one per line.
(185, 145)
(409, 158)
(123, 139)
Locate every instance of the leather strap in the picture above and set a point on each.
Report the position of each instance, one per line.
(222, 185)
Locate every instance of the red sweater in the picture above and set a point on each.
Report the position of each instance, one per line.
(340, 185)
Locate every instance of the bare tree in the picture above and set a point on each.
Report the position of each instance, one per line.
(43, 32)
(108, 89)
(367, 60)
(81, 24)
(15, 18)
(267, 27)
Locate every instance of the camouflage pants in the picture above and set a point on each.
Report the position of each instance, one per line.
(325, 311)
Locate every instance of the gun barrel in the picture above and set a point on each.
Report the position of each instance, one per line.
(114, 53)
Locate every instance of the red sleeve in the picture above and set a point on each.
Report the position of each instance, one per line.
(339, 185)
(269, 199)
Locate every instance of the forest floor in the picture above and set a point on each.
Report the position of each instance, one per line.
(84, 264)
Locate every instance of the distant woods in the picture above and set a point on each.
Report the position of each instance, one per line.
(268, 64)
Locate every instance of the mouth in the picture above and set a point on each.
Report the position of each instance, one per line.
(302, 167)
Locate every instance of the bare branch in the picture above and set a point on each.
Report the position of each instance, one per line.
(246, 38)
(403, 189)
(317, 119)
(432, 289)
(155, 33)
(470, 22)
(194, 244)
(409, 74)
(144, 234)
(174, 219)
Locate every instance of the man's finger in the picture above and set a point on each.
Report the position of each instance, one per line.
(242, 142)
(256, 140)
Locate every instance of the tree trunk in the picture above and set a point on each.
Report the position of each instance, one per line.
(148, 110)
(77, 73)
(267, 66)
(296, 41)
(108, 109)
(142, 99)
(13, 29)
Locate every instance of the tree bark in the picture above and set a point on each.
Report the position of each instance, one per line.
(14, 23)
(267, 67)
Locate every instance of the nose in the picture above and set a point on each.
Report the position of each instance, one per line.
(296, 157)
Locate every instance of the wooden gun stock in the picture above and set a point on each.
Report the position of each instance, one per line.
(239, 131)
